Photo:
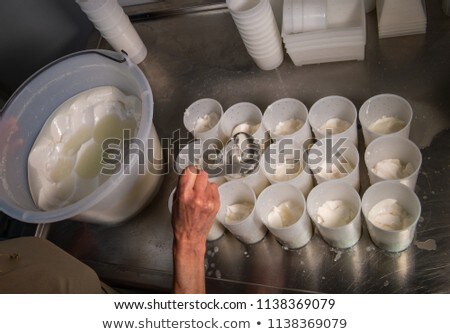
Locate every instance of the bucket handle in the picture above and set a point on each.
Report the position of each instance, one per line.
(119, 57)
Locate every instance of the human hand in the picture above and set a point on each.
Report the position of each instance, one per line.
(196, 203)
(195, 206)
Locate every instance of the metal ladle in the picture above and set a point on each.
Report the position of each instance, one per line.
(239, 158)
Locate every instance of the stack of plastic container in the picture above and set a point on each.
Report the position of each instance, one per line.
(401, 17)
(115, 26)
(304, 15)
(320, 31)
(259, 31)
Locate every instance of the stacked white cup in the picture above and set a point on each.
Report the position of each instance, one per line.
(401, 18)
(111, 21)
(320, 31)
(304, 15)
(259, 31)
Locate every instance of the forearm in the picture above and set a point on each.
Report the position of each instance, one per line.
(188, 266)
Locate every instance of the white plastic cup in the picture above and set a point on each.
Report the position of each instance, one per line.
(264, 25)
(261, 20)
(288, 24)
(247, 8)
(304, 15)
(252, 14)
(97, 6)
(258, 34)
(106, 19)
(217, 230)
(239, 113)
(192, 154)
(115, 26)
(252, 21)
(258, 52)
(385, 105)
(331, 107)
(297, 16)
(258, 29)
(257, 25)
(293, 157)
(328, 152)
(293, 236)
(395, 147)
(392, 241)
(203, 108)
(344, 236)
(122, 25)
(261, 50)
(284, 110)
(105, 14)
(271, 61)
(261, 47)
(254, 34)
(170, 200)
(261, 37)
(256, 180)
(131, 44)
(111, 26)
(314, 15)
(249, 230)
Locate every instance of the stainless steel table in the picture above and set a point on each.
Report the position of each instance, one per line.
(200, 54)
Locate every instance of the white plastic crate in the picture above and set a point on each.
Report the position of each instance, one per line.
(344, 38)
(332, 53)
(401, 17)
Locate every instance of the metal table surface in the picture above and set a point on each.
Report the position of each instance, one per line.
(200, 54)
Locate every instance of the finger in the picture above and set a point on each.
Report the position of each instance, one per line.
(208, 198)
(211, 197)
(187, 179)
(210, 204)
(215, 196)
(201, 181)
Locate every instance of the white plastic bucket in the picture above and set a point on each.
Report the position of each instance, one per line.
(33, 103)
